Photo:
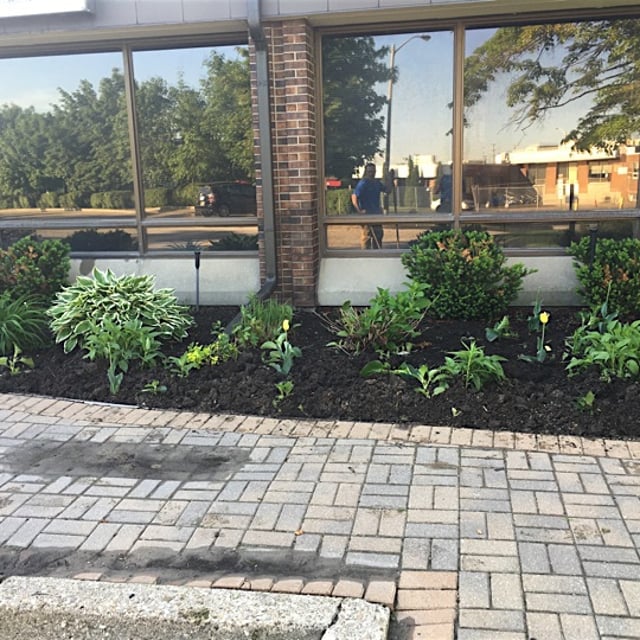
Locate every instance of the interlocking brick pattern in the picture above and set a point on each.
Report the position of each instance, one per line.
(499, 535)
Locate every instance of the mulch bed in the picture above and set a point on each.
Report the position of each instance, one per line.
(327, 385)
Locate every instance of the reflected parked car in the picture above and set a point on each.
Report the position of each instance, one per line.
(226, 199)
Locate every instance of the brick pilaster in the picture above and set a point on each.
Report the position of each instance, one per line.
(295, 162)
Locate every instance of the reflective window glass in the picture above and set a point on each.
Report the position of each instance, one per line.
(195, 128)
(387, 101)
(551, 121)
(64, 142)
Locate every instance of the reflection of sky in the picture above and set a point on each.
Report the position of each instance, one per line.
(421, 113)
(421, 117)
(35, 81)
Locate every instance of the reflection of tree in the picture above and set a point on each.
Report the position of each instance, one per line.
(353, 122)
(600, 61)
(82, 144)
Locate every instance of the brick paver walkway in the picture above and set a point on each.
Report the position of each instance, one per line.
(464, 534)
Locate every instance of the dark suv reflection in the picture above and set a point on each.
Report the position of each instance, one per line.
(227, 199)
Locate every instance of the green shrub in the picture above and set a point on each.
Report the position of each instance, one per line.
(72, 200)
(92, 240)
(386, 325)
(91, 302)
(188, 194)
(235, 242)
(112, 200)
(157, 197)
(48, 200)
(34, 267)
(23, 323)
(466, 272)
(338, 202)
(23, 202)
(614, 275)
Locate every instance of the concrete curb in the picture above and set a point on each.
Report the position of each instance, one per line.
(55, 608)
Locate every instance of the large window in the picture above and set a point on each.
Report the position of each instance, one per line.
(386, 101)
(540, 136)
(196, 144)
(66, 164)
(64, 146)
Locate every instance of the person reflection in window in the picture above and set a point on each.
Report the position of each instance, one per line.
(445, 190)
(366, 199)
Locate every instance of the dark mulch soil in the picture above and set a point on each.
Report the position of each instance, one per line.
(536, 398)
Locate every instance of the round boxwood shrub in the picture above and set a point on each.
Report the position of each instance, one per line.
(32, 266)
(466, 273)
(611, 274)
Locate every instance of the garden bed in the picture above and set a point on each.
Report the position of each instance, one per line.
(327, 385)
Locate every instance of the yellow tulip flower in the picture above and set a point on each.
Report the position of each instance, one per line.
(544, 317)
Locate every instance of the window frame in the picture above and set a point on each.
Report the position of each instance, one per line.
(459, 218)
(139, 221)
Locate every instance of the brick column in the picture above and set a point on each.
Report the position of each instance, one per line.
(295, 164)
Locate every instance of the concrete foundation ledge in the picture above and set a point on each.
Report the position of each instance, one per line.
(60, 609)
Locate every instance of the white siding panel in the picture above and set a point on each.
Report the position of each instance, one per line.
(351, 5)
(115, 13)
(288, 7)
(206, 10)
(154, 12)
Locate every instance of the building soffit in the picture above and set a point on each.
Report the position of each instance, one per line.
(487, 11)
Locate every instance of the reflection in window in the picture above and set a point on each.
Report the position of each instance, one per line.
(554, 103)
(194, 120)
(204, 239)
(386, 236)
(64, 140)
(387, 100)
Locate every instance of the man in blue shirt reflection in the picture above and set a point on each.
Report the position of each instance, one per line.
(366, 199)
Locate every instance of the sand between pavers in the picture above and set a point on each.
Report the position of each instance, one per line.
(52, 608)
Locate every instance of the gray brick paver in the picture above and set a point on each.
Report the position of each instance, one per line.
(543, 537)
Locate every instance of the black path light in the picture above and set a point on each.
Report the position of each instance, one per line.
(196, 255)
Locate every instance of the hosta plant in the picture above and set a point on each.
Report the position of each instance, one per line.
(90, 302)
(613, 348)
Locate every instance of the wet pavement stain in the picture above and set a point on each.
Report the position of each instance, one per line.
(130, 460)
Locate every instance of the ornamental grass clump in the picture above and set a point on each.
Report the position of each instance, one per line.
(466, 272)
(23, 323)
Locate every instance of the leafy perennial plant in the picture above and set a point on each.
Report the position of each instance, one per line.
(120, 319)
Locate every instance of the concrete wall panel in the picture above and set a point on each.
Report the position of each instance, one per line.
(222, 281)
(357, 280)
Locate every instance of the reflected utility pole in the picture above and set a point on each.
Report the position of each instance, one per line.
(387, 153)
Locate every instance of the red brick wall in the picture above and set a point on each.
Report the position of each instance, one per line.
(295, 164)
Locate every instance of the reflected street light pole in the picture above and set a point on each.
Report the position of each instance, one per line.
(392, 60)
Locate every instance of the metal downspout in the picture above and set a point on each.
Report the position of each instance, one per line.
(266, 165)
